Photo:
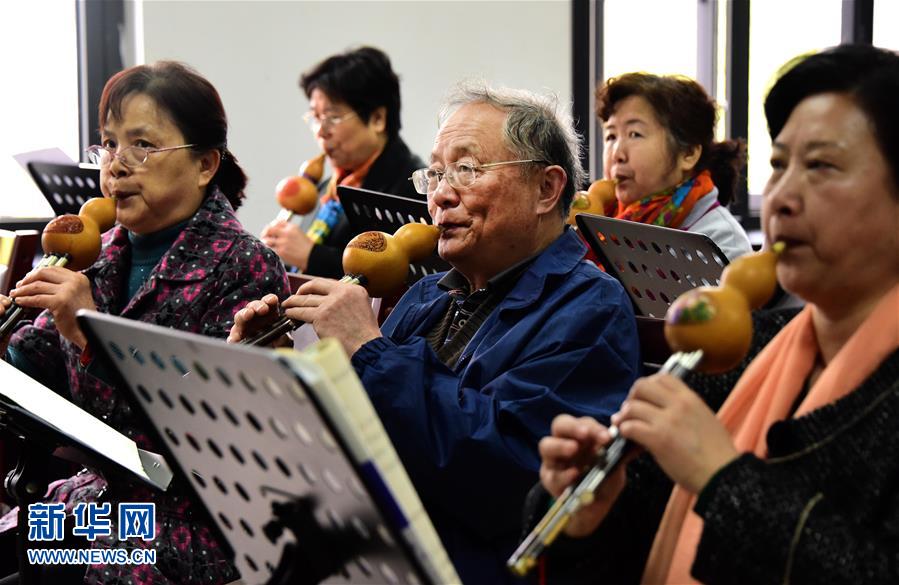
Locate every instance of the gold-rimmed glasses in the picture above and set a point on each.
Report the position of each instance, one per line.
(130, 156)
(315, 122)
(458, 174)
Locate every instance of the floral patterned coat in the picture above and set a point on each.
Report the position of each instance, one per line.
(210, 272)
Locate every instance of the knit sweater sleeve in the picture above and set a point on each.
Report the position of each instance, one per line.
(822, 507)
(756, 532)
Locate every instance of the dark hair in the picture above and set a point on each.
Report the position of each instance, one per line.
(688, 113)
(361, 78)
(193, 104)
(868, 75)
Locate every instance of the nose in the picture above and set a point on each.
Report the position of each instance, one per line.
(444, 195)
(619, 152)
(783, 193)
(116, 167)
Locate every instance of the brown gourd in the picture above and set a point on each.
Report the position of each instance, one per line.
(100, 209)
(599, 199)
(717, 320)
(417, 239)
(74, 236)
(299, 193)
(384, 259)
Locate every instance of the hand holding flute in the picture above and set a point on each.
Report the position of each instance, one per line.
(378, 261)
(709, 328)
(71, 241)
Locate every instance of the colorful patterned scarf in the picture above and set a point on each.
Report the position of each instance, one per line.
(670, 207)
(330, 211)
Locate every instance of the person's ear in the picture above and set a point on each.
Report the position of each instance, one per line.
(552, 183)
(378, 119)
(209, 165)
(688, 160)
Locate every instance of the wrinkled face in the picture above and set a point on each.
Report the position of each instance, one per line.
(165, 190)
(832, 199)
(637, 152)
(350, 142)
(490, 224)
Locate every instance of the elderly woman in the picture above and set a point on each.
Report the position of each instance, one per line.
(178, 258)
(796, 478)
(660, 148)
(354, 112)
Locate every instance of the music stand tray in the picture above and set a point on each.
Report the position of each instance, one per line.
(247, 429)
(374, 211)
(655, 264)
(66, 187)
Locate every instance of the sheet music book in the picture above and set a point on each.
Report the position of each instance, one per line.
(251, 428)
(348, 405)
(22, 396)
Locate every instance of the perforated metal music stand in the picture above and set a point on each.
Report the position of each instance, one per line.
(373, 211)
(66, 187)
(655, 264)
(246, 431)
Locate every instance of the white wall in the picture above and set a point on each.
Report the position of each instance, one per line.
(39, 101)
(253, 52)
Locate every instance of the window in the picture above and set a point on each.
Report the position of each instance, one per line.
(662, 42)
(779, 31)
(886, 15)
(40, 105)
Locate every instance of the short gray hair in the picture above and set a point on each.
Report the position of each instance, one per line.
(536, 127)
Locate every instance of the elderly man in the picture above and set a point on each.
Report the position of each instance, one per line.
(472, 365)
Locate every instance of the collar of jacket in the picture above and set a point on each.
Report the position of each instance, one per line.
(200, 247)
(559, 258)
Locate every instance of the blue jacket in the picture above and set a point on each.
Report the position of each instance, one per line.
(563, 340)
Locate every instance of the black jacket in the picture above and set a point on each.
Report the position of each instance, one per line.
(822, 508)
(388, 174)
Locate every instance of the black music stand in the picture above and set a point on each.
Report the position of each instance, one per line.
(66, 186)
(46, 424)
(246, 430)
(373, 211)
(655, 264)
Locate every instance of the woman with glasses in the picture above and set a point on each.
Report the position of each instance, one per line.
(354, 112)
(660, 149)
(178, 258)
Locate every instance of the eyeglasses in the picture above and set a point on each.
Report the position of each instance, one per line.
(130, 156)
(458, 174)
(315, 122)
